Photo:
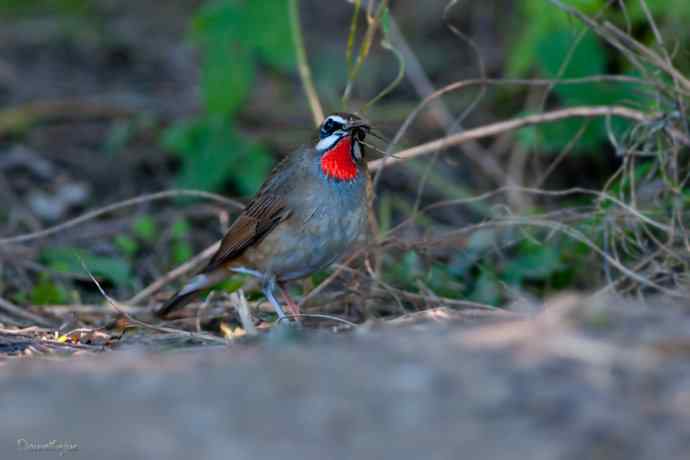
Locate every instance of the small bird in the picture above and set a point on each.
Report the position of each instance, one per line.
(308, 213)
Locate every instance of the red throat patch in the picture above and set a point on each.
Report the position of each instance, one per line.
(338, 163)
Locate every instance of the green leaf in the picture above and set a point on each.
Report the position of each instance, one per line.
(230, 34)
(442, 282)
(232, 284)
(586, 57)
(209, 162)
(47, 292)
(386, 22)
(212, 152)
(486, 289)
(219, 19)
(184, 136)
(271, 36)
(126, 244)
(477, 245)
(181, 252)
(180, 228)
(257, 26)
(535, 263)
(540, 19)
(69, 260)
(144, 227)
(256, 163)
(227, 74)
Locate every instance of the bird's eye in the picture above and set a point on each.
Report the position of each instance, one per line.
(329, 127)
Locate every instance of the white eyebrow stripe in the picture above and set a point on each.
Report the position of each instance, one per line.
(328, 142)
(337, 118)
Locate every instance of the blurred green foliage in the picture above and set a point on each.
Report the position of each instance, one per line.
(481, 273)
(181, 249)
(44, 292)
(144, 227)
(557, 46)
(69, 260)
(233, 37)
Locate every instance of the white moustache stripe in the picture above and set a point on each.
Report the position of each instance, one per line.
(328, 142)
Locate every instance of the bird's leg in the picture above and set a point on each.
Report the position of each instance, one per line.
(292, 307)
(268, 287)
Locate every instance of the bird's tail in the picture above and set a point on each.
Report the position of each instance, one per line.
(187, 293)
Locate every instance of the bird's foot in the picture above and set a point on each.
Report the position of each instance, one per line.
(269, 286)
(291, 305)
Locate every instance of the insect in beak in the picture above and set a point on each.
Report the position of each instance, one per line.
(359, 130)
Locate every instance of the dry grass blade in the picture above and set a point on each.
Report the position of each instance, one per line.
(239, 301)
(620, 39)
(21, 313)
(303, 64)
(174, 274)
(15, 118)
(113, 303)
(328, 317)
(373, 22)
(517, 123)
(115, 207)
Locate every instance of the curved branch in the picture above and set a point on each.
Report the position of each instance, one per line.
(116, 206)
(303, 65)
(517, 123)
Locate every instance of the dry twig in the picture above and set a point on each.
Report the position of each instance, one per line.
(174, 274)
(516, 123)
(117, 206)
(303, 64)
(113, 303)
(22, 313)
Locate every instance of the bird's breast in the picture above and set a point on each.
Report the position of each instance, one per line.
(327, 219)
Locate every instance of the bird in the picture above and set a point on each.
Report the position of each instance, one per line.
(310, 211)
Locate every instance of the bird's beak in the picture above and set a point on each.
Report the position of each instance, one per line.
(358, 124)
(359, 129)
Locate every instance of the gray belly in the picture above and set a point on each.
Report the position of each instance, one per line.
(321, 241)
(313, 238)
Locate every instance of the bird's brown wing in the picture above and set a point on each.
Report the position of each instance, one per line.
(260, 216)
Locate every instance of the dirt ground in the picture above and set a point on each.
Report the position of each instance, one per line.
(594, 379)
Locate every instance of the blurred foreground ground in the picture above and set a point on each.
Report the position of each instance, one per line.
(596, 379)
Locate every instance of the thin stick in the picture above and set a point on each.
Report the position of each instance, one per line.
(373, 20)
(239, 301)
(352, 36)
(461, 85)
(174, 274)
(113, 303)
(91, 309)
(328, 280)
(322, 316)
(203, 308)
(20, 312)
(386, 43)
(513, 124)
(116, 206)
(18, 117)
(303, 65)
(626, 41)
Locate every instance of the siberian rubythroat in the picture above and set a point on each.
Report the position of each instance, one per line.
(309, 212)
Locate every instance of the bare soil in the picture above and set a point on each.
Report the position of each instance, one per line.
(595, 379)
